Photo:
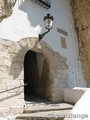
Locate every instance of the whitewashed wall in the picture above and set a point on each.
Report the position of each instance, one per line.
(27, 21)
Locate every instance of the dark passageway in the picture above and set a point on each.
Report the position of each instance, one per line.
(30, 71)
(36, 74)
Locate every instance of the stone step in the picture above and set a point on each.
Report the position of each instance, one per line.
(48, 115)
(39, 109)
(43, 106)
(44, 111)
(40, 118)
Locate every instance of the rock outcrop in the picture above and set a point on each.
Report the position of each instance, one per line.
(81, 13)
(6, 8)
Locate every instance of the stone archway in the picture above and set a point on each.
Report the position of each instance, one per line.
(57, 66)
(11, 60)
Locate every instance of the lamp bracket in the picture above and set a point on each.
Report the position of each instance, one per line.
(43, 34)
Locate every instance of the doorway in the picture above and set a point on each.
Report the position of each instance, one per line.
(36, 75)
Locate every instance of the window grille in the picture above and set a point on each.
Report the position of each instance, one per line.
(43, 3)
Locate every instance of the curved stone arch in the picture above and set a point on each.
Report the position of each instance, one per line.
(57, 64)
(12, 71)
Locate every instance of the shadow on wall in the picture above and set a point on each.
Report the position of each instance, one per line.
(17, 60)
(34, 15)
(17, 53)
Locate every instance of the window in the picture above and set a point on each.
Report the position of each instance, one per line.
(43, 3)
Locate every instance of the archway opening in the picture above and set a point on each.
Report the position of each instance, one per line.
(36, 75)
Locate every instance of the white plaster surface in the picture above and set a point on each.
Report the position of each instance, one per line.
(81, 109)
(72, 95)
(27, 21)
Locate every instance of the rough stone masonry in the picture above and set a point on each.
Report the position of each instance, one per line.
(6, 8)
(12, 73)
(81, 13)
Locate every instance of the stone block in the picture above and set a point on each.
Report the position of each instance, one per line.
(2, 86)
(15, 83)
(4, 111)
(6, 75)
(6, 81)
(1, 61)
(21, 96)
(16, 109)
(3, 96)
(7, 62)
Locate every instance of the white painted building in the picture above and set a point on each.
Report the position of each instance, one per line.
(27, 21)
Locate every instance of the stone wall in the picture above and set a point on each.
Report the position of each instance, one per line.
(81, 13)
(6, 8)
(11, 94)
(12, 73)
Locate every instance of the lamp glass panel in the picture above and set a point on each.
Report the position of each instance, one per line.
(48, 23)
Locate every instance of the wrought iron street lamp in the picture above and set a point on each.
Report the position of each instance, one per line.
(48, 20)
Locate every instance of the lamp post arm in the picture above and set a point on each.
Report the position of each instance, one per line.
(43, 34)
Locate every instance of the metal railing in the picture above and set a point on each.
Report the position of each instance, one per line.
(14, 88)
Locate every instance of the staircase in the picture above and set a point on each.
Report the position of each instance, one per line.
(39, 109)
